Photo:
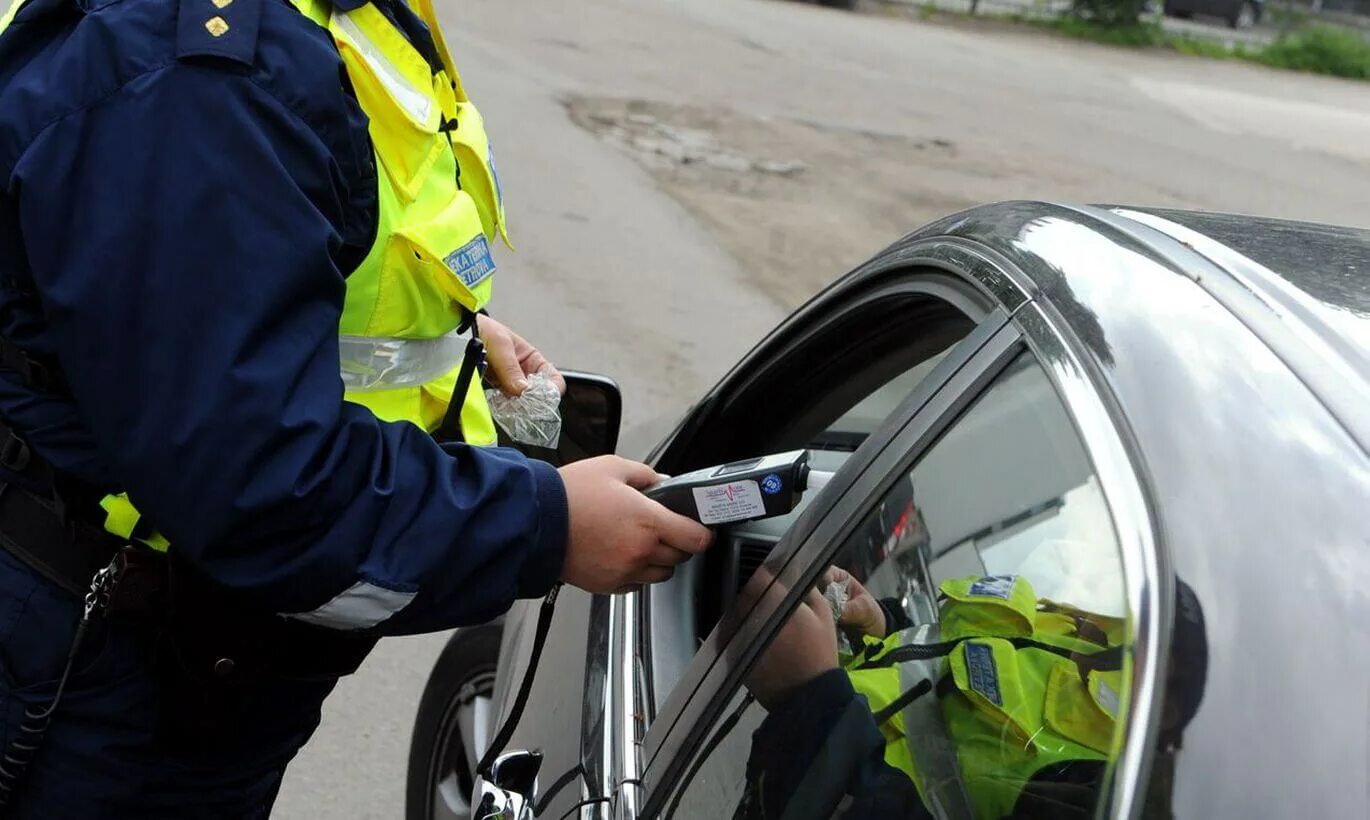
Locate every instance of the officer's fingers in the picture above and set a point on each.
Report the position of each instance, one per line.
(505, 369)
(636, 474)
(665, 555)
(654, 575)
(646, 575)
(535, 362)
(682, 533)
(818, 604)
(550, 371)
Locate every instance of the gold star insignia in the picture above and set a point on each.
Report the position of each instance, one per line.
(219, 4)
(217, 26)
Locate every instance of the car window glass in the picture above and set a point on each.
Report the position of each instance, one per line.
(976, 669)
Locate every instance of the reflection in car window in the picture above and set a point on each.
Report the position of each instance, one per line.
(866, 415)
(961, 657)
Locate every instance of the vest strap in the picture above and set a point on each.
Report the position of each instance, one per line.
(45, 377)
(897, 705)
(1106, 661)
(450, 429)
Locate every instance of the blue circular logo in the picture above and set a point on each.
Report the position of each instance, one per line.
(770, 485)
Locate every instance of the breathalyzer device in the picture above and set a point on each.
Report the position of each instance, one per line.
(744, 490)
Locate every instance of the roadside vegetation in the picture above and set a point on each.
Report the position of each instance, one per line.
(1302, 45)
(1317, 48)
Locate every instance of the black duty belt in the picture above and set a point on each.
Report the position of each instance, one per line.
(43, 535)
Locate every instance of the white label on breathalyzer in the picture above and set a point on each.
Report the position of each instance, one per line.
(734, 501)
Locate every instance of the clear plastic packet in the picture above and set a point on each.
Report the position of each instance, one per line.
(534, 416)
(837, 594)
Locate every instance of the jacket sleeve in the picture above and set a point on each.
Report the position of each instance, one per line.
(184, 234)
(819, 754)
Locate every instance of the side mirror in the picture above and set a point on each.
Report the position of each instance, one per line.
(591, 413)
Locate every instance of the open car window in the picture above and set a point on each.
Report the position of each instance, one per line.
(961, 656)
(827, 393)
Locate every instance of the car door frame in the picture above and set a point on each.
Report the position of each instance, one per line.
(1035, 327)
(619, 625)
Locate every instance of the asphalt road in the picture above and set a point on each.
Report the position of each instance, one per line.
(622, 270)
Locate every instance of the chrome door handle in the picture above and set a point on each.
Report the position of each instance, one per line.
(508, 793)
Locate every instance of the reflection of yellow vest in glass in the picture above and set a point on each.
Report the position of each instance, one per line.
(1007, 711)
(404, 327)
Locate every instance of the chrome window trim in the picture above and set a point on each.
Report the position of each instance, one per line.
(624, 705)
(1104, 434)
(992, 274)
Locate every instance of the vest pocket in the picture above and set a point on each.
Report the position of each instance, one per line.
(1002, 605)
(393, 85)
(471, 147)
(1083, 713)
(443, 260)
(986, 672)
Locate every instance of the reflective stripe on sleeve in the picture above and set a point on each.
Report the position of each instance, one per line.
(360, 606)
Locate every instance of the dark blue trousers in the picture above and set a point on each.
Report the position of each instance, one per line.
(132, 737)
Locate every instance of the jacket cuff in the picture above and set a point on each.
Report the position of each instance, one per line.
(542, 567)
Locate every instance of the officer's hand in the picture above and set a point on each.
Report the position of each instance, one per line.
(805, 648)
(861, 613)
(512, 359)
(620, 538)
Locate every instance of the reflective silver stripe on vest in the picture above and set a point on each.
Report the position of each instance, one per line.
(375, 363)
(360, 606)
(931, 749)
(411, 98)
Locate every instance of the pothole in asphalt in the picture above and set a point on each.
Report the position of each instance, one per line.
(796, 201)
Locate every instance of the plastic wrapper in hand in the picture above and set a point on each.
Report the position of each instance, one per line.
(532, 417)
(837, 594)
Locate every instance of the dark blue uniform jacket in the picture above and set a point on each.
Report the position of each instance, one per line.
(178, 217)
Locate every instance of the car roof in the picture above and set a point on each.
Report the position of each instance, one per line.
(1319, 273)
(1303, 289)
(1329, 263)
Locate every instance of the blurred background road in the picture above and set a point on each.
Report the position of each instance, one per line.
(680, 174)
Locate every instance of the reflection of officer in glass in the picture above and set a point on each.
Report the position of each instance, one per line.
(1020, 725)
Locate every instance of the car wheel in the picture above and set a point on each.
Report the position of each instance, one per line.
(453, 726)
(1244, 17)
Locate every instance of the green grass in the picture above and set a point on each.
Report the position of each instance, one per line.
(1140, 35)
(1318, 49)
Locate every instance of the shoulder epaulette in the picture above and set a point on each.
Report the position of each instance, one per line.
(218, 28)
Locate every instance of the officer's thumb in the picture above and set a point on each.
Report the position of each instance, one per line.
(509, 376)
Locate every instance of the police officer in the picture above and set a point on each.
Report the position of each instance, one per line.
(245, 256)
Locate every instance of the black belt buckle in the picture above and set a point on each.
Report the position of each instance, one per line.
(142, 583)
(15, 454)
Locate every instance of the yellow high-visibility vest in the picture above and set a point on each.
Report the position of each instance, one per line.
(409, 309)
(430, 267)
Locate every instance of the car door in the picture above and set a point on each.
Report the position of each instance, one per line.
(1008, 472)
(826, 378)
